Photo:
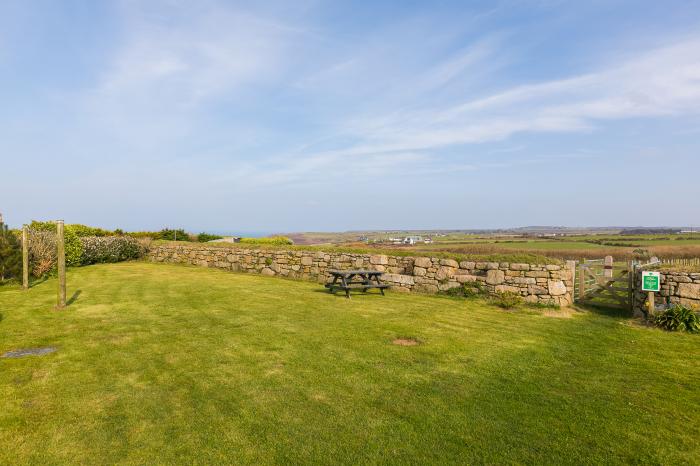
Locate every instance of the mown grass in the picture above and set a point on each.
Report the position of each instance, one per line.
(165, 364)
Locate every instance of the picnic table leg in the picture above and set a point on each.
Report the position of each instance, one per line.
(332, 285)
(350, 278)
(365, 281)
(376, 279)
(345, 285)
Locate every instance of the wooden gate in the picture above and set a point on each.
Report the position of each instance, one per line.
(603, 283)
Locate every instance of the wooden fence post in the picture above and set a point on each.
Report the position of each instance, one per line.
(61, 250)
(581, 283)
(571, 265)
(651, 303)
(631, 276)
(608, 267)
(25, 257)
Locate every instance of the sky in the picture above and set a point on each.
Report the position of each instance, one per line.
(328, 116)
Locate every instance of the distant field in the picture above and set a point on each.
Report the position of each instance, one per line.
(530, 245)
(622, 247)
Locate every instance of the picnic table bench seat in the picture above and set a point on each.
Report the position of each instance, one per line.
(347, 280)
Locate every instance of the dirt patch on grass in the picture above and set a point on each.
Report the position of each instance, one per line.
(563, 313)
(405, 341)
(20, 353)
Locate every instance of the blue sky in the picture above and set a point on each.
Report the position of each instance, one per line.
(312, 115)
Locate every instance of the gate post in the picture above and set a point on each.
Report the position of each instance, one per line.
(581, 283)
(651, 304)
(631, 276)
(25, 257)
(608, 267)
(61, 265)
(571, 265)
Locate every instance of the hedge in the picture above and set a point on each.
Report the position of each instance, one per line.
(80, 249)
(273, 241)
(101, 249)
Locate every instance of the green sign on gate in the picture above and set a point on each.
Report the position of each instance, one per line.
(651, 281)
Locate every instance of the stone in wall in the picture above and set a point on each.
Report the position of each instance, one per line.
(378, 260)
(689, 290)
(465, 278)
(424, 262)
(495, 277)
(556, 287)
(404, 280)
(444, 272)
(507, 288)
(449, 263)
(520, 267)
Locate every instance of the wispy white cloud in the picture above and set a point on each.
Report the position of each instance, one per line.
(212, 52)
(169, 70)
(657, 83)
(394, 114)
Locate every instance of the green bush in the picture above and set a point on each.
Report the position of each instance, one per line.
(165, 234)
(73, 246)
(467, 290)
(677, 318)
(173, 235)
(204, 237)
(273, 240)
(540, 305)
(102, 249)
(10, 254)
(84, 230)
(144, 234)
(506, 299)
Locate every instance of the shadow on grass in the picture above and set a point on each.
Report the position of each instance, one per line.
(73, 298)
(603, 310)
(341, 294)
(38, 281)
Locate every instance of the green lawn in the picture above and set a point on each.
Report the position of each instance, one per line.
(172, 364)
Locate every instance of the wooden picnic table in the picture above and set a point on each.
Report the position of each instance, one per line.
(355, 280)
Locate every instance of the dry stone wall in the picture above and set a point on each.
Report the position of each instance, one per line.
(676, 288)
(540, 283)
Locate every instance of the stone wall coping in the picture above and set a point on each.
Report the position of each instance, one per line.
(434, 259)
(314, 249)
